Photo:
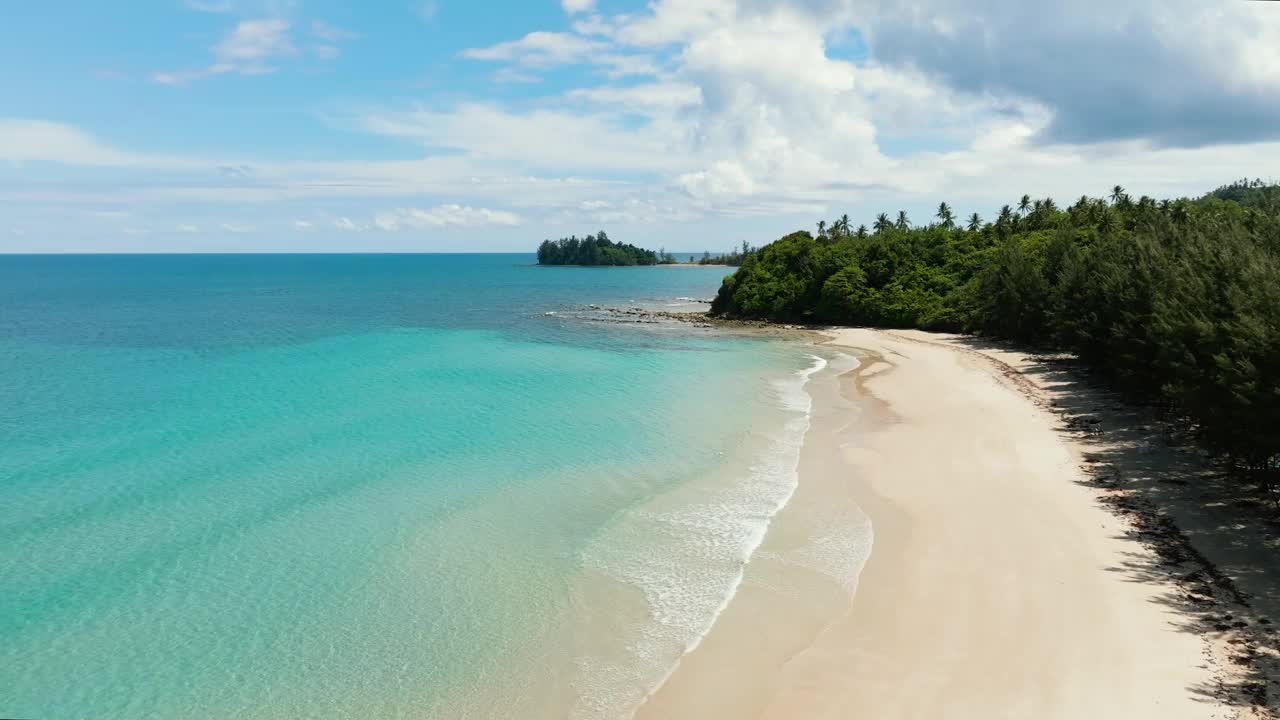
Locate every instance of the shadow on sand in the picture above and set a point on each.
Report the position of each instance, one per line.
(1213, 549)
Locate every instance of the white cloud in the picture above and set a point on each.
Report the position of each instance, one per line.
(247, 50)
(253, 42)
(24, 140)
(646, 96)
(237, 229)
(1177, 72)
(540, 50)
(441, 216)
(188, 228)
(756, 108)
(543, 50)
(578, 6)
(302, 225)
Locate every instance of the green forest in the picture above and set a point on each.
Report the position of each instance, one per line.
(1175, 302)
(596, 249)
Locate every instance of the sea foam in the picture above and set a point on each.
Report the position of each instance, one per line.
(686, 552)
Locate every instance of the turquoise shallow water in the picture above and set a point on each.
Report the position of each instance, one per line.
(368, 486)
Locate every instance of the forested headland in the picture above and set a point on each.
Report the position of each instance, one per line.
(1175, 302)
(597, 249)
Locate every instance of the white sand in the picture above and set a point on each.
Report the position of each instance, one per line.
(995, 588)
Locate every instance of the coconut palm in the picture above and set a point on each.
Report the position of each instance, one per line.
(946, 216)
(822, 228)
(1117, 194)
(882, 223)
(1024, 205)
(903, 222)
(862, 231)
(975, 222)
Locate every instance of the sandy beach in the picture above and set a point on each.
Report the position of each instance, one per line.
(1000, 585)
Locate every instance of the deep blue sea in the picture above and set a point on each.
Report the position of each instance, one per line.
(365, 486)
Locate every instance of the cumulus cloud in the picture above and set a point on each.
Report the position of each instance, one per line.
(1175, 72)
(759, 107)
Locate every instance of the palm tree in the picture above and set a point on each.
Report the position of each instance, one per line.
(1117, 193)
(822, 228)
(1107, 220)
(1049, 206)
(975, 222)
(946, 216)
(844, 225)
(1024, 205)
(882, 223)
(1006, 219)
(862, 231)
(903, 223)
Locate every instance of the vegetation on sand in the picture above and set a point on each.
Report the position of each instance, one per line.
(1177, 302)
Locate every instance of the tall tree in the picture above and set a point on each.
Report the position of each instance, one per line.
(882, 223)
(975, 222)
(945, 216)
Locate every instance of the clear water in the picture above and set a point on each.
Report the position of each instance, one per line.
(369, 486)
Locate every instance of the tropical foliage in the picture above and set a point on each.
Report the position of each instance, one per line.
(733, 258)
(596, 249)
(1175, 301)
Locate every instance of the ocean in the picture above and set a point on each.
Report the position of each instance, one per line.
(305, 486)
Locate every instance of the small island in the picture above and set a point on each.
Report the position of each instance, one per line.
(599, 251)
(594, 250)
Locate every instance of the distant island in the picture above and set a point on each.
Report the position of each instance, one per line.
(599, 251)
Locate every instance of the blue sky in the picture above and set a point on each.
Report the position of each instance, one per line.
(305, 125)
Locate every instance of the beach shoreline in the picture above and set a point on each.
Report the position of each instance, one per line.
(1001, 584)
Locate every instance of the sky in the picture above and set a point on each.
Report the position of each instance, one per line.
(463, 126)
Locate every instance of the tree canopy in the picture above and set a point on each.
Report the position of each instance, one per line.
(1177, 302)
(596, 249)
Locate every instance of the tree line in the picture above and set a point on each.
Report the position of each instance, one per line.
(1176, 302)
(596, 249)
(733, 258)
